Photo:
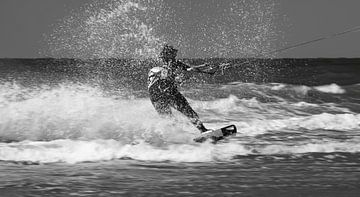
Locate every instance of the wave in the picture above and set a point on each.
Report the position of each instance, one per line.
(287, 93)
(78, 111)
(77, 123)
(324, 121)
(253, 108)
(332, 88)
(75, 151)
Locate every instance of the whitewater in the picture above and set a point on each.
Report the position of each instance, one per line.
(77, 123)
(69, 127)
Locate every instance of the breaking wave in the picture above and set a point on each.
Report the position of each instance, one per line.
(76, 111)
(71, 151)
(332, 88)
(76, 123)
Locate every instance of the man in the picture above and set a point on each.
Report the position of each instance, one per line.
(163, 86)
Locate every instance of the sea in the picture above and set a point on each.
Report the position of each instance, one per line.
(86, 127)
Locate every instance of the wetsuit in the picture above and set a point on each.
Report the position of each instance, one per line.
(164, 94)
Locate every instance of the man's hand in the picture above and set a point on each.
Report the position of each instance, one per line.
(190, 69)
(223, 66)
(198, 68)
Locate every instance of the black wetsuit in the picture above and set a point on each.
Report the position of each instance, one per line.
(164, 93)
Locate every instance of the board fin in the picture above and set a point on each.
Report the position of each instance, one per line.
(216, 135)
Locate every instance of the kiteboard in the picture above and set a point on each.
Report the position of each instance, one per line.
(216, 135)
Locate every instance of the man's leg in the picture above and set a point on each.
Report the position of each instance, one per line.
(162, 107)
(180, 103)
(159, 101)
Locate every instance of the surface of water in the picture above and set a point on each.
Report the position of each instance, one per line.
(71, 127)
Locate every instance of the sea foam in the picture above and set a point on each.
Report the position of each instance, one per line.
(74, 151)
(76, 123)
(332, 88)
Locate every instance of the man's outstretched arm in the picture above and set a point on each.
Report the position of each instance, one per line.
(207, 68)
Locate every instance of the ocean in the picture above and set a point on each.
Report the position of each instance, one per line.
(71, 127)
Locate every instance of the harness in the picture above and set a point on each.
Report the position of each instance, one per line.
(162, 76)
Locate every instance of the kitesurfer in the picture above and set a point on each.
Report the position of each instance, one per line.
(162, 85)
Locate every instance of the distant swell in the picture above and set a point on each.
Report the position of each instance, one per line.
(332, 88)
(340, 122)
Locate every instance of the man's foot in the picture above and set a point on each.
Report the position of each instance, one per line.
(199, 125)
(208, 131)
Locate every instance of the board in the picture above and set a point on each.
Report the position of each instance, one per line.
(216, 135)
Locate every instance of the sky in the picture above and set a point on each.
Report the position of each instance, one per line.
(23, 24)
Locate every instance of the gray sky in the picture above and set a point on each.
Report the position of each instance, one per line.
(309, 19)
(24, 22)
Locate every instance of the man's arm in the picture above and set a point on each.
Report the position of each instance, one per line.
(209, 69)
(189, 68)
(204, 68)
(198, 68)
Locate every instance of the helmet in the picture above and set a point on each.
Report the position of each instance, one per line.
(167, 50)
